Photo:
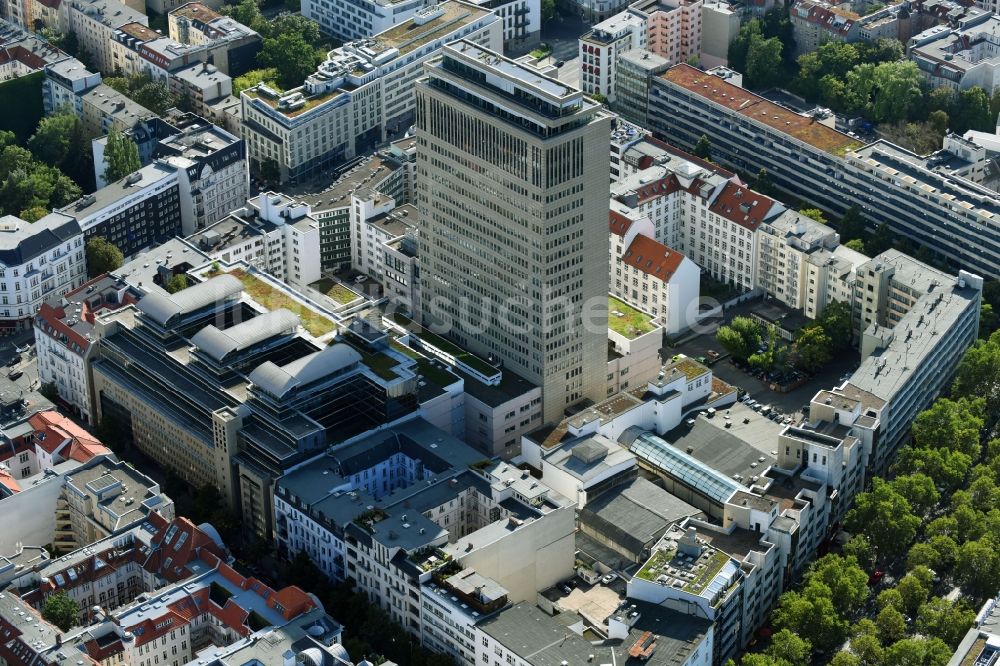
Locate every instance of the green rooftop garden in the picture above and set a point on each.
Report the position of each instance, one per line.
(629, 322)
(702, 577)
(335, 290)
(272, 299)
(429, 558)
(366, 520)
(435, 340)
(380, 364)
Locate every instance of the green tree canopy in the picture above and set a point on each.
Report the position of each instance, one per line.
(836, 322)
(121, 156)
(891, 625)
(919, 491)
(102, 256)
(977, 568)
(978, 375)
(176, 283)
(813, 348)
(61, 610)
(291, 56)
(703, 148)
(814, 214)
(268, 77)
(917, 652)
(943, 619)
(847, 582)
(951, 424)
(884, 516)
(789, 648)
(741, 338)
(810, 614)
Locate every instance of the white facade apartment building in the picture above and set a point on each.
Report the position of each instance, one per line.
(522, 21)
(601, 47)
(672, 29)
(375, 221)
(650, 276)
(348, 20)
(94, 23)
(37, 261)
(360, 96)
(64, 339)
(272, 233)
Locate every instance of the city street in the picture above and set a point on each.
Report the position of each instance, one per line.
(562, 34)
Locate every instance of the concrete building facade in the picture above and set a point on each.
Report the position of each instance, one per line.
(554, 190)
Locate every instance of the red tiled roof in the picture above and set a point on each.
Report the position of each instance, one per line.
(52, 430)
(293, 601)
(652, 257)
(742, 206)
(9, 481)
(618, 223)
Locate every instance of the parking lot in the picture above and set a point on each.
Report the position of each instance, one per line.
(791, 402)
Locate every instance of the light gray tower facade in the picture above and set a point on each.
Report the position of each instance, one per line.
(512, 190)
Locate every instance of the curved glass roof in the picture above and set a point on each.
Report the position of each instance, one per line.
(683, 467)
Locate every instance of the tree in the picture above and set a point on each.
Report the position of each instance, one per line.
(884, 516)
(51, 140)
(812, 349)
(741, 338)
(845, 658)
(154, 95)
(810, 614)
(938, 121)
(947, 468)
(852, 225)
(813, 214)
(847, 582)
(268, 77)
(548, 9)
(788, 648)
(943, 619)
(880, 241)
(291, 55)
(49, 391)
(121, 157)
(740, 46)
(919, 491)
(917, 652)
(867, 646)
(860, 548)
(246, 12)
(856, 244)
(972, 111)
(836, 322)
(102, 256)
(913, 593)
(897, 91)
(989, 320)
(889, 598)
(978, 375)
(923, 554)
(61, 610)
(703, 148)
(762, 183)
(764, 64)
(891, 625)
(977, 568)
(176, 283)
(951, 424)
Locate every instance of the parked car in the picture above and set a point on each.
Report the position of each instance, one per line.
(607, 579)
(876, 577)
(17, 374)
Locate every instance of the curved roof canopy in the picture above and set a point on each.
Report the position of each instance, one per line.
(219, 344)
(279, 380)
(162, 307)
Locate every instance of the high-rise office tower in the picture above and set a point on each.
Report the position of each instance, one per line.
(512, 191)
